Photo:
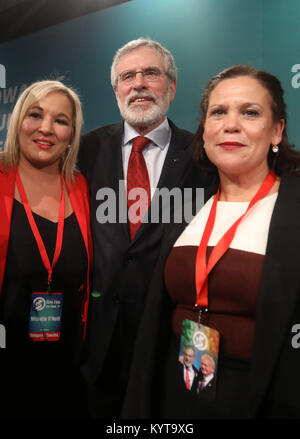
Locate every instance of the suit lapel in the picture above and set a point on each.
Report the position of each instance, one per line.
(111, 166)
(7, 187)
(118, 182)
(279, 289)
(176, 160)
(76, 192)
(110, 160)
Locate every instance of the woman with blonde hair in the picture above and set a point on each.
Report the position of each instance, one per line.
(45, 255)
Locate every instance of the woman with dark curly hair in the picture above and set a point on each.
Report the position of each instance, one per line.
(283, 159)
(228, 282)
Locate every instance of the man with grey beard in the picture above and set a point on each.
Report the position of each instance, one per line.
(143, 76)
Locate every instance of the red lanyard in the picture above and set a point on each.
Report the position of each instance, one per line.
(60, 228)
(202, 268)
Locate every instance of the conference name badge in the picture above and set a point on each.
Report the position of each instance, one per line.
(45, 316)
(198, 354)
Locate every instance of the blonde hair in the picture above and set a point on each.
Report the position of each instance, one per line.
(32, 94)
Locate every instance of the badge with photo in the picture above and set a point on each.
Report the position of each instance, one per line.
(198, 355)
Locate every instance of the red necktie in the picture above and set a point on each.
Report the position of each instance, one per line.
(137, 177)
(187, 379)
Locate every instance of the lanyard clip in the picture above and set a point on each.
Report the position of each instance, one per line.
(49, 287)
(201, 310)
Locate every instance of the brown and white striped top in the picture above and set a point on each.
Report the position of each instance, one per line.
(234, 282)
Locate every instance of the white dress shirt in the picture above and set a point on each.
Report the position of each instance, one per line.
(207, 379)
(154, 153)
(191, 373)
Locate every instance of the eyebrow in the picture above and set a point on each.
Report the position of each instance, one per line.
(244, 104)
(144, 68)
(37, 107)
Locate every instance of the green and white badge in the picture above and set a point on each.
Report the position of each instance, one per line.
(45, 316)
(198, 354)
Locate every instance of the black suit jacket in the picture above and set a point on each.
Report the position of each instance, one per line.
(123, 268)
(274, 386)
(208, 391)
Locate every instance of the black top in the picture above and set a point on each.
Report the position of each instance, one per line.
(45, 364)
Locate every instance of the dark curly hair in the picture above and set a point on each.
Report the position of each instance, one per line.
(287, 159)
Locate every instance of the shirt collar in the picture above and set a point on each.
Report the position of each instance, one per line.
(160, 136)
(208, 378)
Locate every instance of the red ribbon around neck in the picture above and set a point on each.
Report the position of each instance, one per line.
(202, 268)
(60, 227)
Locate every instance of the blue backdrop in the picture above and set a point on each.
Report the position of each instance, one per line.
(205, 36)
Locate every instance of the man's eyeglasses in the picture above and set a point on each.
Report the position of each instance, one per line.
(150, 74)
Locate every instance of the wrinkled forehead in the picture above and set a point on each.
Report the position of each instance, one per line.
(140, 58)
(241, 86)
(207, 361)
(244, 87)
(188, 351)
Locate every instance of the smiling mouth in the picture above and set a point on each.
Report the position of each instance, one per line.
(44, 144)
(231, 145)
(141, 99)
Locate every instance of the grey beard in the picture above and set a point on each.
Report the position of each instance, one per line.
(140, 116)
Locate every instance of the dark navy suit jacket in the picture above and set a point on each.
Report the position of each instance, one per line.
(123, 268)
